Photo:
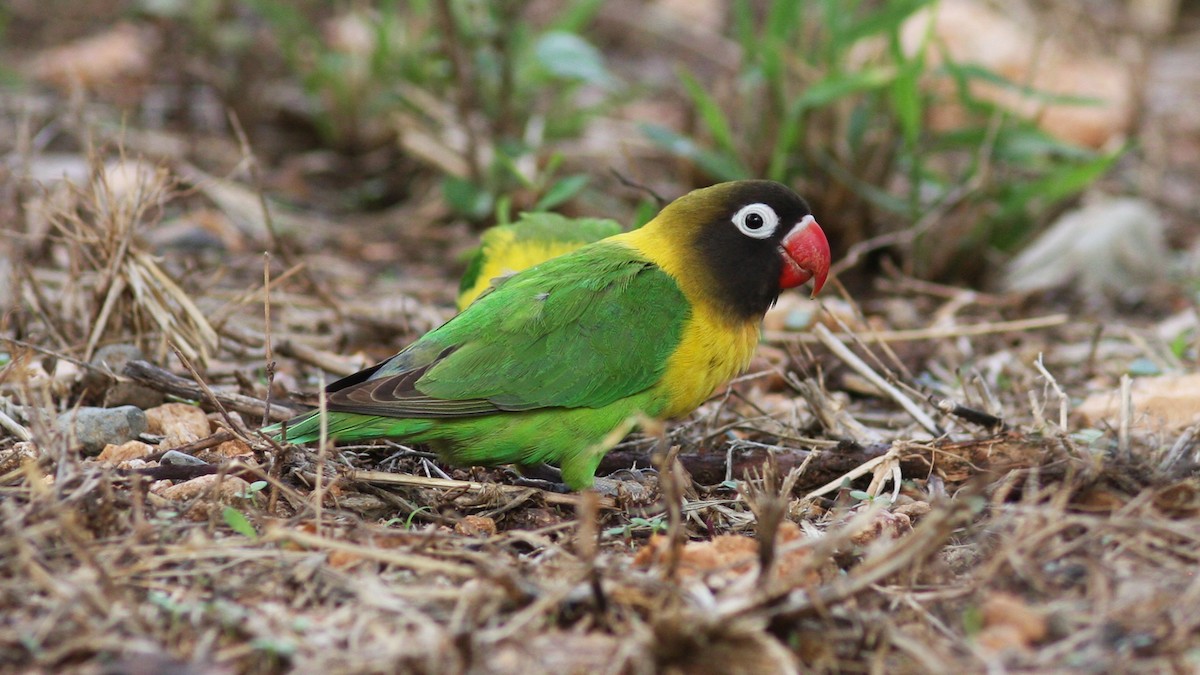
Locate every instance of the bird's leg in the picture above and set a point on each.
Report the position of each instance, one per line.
(541, 476)
(541, 471)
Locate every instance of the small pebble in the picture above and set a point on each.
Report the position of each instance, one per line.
(94, 428)
(181, 459)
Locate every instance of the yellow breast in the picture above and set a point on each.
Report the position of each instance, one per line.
(714, 346)
(712, 351)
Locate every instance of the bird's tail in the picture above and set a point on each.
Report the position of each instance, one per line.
(342, 426)
(300, 429)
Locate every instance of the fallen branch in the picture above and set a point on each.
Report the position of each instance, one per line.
(858, 365)
(327, 361)
(210, 441)
(167, 382)
(14, 427)
(955, 461)
(934, 333)
(388, 478)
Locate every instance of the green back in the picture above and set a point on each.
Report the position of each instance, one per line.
(580, 330)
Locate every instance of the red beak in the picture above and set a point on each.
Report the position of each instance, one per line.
(805, 252)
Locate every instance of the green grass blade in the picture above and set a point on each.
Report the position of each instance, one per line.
(1051, 188)
(884, 20)
(971, 71)
(576, 16)
(839, 85)
(906, 102)
(718, 164)
(783, 19)
(562, 190)
(714, 119)
(238, 522)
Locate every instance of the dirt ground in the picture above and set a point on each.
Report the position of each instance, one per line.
(917, 474)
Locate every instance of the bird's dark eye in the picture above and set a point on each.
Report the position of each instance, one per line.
(756, 220)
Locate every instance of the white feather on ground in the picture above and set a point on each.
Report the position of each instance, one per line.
(1112, 248)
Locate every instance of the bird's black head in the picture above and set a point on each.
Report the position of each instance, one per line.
(744, 242)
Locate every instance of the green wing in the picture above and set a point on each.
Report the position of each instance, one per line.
(580, 330)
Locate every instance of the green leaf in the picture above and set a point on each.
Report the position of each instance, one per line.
(508, 158)
(886, 19)
(504, 210)
(906, 94)
(972, 620)
(570, 57)
(835, 86)
(791, 132)
(710, 112)
(238, 522)
(576, 16)
(783, 18)
(1054, 186)
(254, 488)
(743, 26)
(971, 71)
(719, 165)
(1026, 144)
(879, 197)
(466, 198)
(1087, 436)
(276, 647)
(1179, 345)
(643, 213)
(562, 190)
(164, 601)
(860, 495)
(408, 523)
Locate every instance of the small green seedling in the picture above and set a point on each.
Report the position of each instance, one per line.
(238, 522)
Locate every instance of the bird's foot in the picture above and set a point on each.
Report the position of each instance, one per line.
(540, 471)
(547, 485)
(541, 476)
(635, 484)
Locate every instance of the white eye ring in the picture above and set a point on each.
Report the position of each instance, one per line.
(756, 220)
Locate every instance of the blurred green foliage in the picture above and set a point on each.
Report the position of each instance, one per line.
(471, 70)
(828, 101)
(825, 98)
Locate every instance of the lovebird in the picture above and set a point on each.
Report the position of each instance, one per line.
(557, 363)
(534, 238)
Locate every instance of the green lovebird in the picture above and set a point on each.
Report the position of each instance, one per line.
(534, 238)
(558, 362)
